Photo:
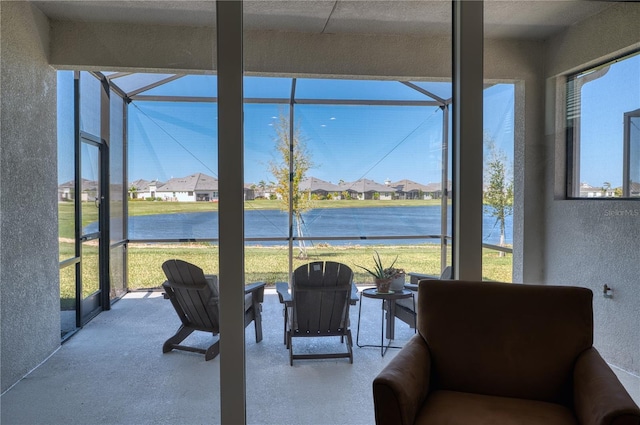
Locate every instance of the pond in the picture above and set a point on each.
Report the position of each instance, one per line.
(358, 223)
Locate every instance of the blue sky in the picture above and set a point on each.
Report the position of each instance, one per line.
(604, 102)
(345, 142)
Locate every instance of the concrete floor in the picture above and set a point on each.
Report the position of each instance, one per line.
(113, 372)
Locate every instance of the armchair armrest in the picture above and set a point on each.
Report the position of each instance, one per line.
(257, 289)
(599, 397)
(403, 385)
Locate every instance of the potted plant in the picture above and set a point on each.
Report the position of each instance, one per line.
(383, 275)
(397, 278)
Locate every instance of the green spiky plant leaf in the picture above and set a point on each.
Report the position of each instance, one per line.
(379, 271)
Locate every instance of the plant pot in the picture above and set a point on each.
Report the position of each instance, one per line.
(397, 283)
(382, 285)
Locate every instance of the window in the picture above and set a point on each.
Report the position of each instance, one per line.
(603, 121)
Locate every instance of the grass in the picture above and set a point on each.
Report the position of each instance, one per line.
(270, 264)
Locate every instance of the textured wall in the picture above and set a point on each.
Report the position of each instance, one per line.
(30, 305)
(590, 243)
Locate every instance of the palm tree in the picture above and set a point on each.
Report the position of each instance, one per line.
(133, 192)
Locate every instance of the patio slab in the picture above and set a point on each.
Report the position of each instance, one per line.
(113, 371)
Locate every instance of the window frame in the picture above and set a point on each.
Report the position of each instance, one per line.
(572, 105)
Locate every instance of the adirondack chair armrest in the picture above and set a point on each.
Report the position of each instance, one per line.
(411, 286)
(283, 292)
(414, 277)
(164, 286)
(354, 294)
(257, 289)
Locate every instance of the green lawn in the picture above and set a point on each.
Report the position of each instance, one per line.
(270, 264)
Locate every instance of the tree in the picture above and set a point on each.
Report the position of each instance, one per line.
(279, 167)
(263, 186)
(133, 192)
(498, 194)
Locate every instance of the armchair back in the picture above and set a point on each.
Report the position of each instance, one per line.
(504, 339)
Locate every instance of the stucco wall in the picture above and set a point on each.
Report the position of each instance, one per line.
(30, 304)
(590, 243)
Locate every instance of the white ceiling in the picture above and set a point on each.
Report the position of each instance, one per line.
(530, 19)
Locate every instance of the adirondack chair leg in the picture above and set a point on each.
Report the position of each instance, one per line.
(290, 347)
(286, 320)
(350, 346)
(257, 321)
(212, 351)
(175, 340)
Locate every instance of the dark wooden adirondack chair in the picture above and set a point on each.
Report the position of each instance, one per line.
(404, 308)
(318, 306)
(194, 297)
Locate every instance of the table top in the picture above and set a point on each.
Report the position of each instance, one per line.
(391, 295)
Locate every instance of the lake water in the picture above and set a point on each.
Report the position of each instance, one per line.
(318, 223)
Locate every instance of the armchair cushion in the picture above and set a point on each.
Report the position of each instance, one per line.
(458, 408)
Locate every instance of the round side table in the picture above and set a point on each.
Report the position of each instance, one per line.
(388, 298)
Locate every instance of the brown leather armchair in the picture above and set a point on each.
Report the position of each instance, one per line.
(499, 353)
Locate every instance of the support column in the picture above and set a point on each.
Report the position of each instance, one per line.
(468, 22)
(230, 211)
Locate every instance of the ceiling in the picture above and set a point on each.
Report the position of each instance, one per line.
(522, 19)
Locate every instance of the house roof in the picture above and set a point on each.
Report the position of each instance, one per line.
(314, 184)
(194, 182)
(142, 185)
(408, 186)
(365, 185)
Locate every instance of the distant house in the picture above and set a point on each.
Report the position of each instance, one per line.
(367, 189)
(588, 191)
(249, 191)
(90, 190)
(196, 187)
(434, 190)
(270, 192)
(66, 191)
(408, 189)
(634, 189)
(320, 188)
(143, 189)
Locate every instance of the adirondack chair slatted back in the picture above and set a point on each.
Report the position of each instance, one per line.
(195, 300)
(321, 293)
